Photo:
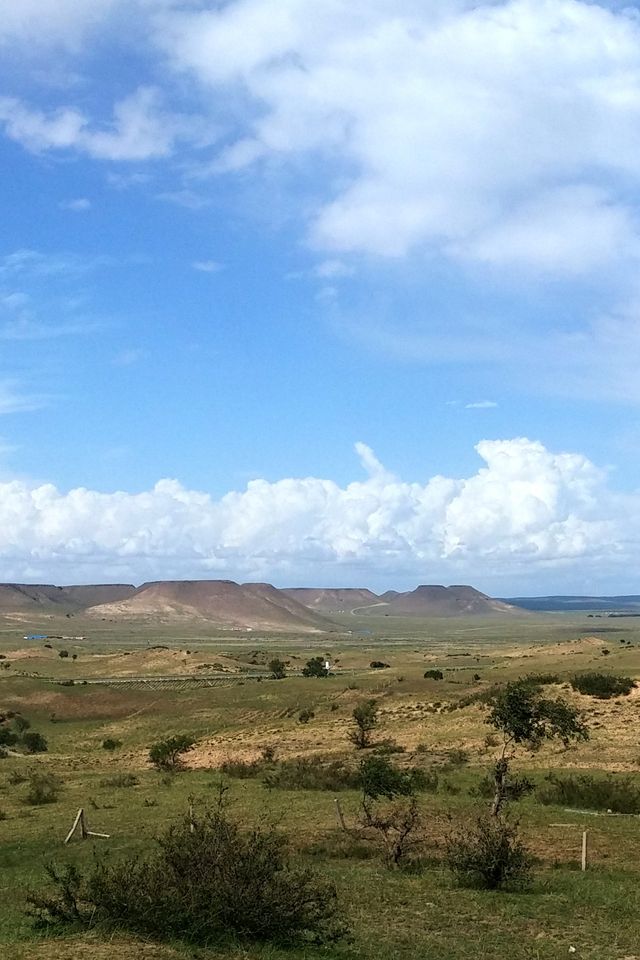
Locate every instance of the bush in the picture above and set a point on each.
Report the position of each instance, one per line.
(210, 879)
(620, 794)
(378, 777)
(315, 668)
(311, 773)
(515, 788)
(120, 780)
(365, 717)
(433, 675)
(277, 669)
(305, 715)
(241, 769)
(111, 744)
(34, 742)
(489, 854)
(42, 788)
(7, 737)
(63, 653)
(603, 686)
(167, 754)
(378, 665)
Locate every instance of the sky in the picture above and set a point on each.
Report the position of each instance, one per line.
(342, 293)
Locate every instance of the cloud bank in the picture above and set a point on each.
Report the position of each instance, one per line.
(528, 516)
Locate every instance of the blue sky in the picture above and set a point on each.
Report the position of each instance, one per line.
(240, 238)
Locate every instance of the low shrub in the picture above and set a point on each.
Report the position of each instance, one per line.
(489, 854)
(620, 794)
(433, 675)
(305, 715)
(515, 788)
(209, 880)
(168, 754)
(42, 788)
(34, 742)
(312, 773)
(603, 686)
(378, 665)
(120, 780)
(242, 769)
(111, 744)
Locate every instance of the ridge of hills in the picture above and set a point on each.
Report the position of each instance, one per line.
(224, 602)
(48, 598)
(435, 600)
(332, 600)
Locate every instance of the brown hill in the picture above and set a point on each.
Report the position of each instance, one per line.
(47, 598)
(434, 600)
(256, 606)
(332, 600)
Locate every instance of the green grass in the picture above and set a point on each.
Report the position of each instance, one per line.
(392, 915)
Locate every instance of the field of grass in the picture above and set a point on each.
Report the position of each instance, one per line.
(390, 913)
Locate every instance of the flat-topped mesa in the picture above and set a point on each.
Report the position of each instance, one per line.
(333, 599)
(436, 600)
(254, 606)
(48, 598)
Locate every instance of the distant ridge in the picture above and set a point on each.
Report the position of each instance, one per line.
(569, 603)
(332, 600)
(47, 598)
(255, 606)
(435, 600)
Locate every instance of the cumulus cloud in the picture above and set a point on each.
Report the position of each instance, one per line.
(140, 129)
(526, 510)
(503, 132)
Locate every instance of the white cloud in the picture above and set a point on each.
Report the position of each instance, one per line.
(504, 132)
(14, 398)
(481, 405)
(207, 266)
(526, 513)
(140, 129)
(79, 205)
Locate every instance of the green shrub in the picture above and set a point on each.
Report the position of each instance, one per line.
(378, 777)
(365, 718)
(63, 653)
(167, 754)
(603, 686)
(34, 742)
(620, 794)
(305, 715)
(20, 723)
(315, 668)
(209, 880)
(7, 737)
(433, 675)
(111, 744)
(515, 788)
(312, 773)
(277, 669)
(378, 665)
(42, 788)
(242, 769)
(120, 780)
(489, 854)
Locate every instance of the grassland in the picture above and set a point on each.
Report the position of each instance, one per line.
(391, 914)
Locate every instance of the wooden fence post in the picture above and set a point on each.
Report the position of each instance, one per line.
(584, 850)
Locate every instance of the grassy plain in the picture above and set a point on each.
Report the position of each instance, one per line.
(391, 915)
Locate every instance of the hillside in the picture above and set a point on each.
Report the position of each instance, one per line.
(256, 606)
(439, 601)
(47, 598)
(332, 600)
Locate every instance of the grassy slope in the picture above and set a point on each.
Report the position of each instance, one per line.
(392, 915)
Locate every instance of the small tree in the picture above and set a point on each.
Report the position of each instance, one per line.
(277, 669)
(365, 717)
(389, 806)
(526, 718)
(167, 754)
(315, 667)
(34, 742)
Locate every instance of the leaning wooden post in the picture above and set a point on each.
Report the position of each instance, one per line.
(584, 850)
(79, 816)
(339, 814)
